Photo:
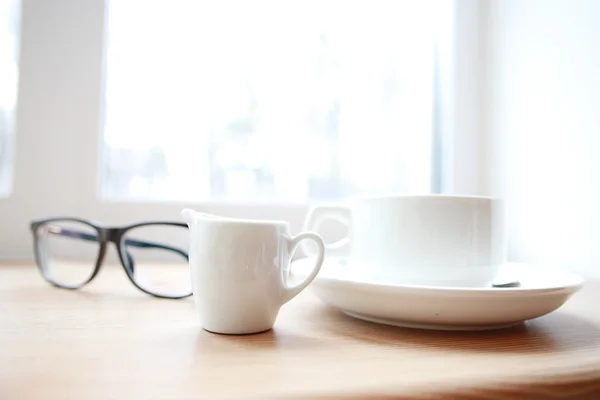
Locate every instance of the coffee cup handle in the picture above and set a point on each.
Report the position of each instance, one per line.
(289, 292)
(315, 217)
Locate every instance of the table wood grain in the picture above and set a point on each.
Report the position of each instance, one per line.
(111, 341)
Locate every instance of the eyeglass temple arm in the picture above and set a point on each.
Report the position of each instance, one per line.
(144, 244)
(128, 242)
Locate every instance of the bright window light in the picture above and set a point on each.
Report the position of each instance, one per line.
(268, 101)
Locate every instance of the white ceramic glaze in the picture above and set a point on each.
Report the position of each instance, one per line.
(239, 271)
(432, 239)
(542, 290)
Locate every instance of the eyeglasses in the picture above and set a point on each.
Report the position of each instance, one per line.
(70, 252)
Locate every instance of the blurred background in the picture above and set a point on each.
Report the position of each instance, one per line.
(124, 111)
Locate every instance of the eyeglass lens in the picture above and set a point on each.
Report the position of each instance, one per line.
(67, 251)
(156, 257)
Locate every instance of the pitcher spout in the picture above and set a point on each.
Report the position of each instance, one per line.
(192, 217)
(189, 216)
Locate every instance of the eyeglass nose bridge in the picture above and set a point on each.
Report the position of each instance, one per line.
(111, 235)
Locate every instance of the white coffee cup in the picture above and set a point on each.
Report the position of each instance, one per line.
(434, 240)
(239, 270)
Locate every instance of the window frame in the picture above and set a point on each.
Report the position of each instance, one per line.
(60, 111)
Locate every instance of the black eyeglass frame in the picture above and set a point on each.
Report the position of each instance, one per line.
(106, 235)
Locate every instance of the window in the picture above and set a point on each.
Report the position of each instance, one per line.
(132, 110)
(267, 101)
(9, 72)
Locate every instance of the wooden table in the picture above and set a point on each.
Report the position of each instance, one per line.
(111, 341)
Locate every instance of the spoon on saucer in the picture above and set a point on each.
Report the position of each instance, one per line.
(506, 283)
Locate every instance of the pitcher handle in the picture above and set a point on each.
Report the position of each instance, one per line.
(289, 292)
(319, 214)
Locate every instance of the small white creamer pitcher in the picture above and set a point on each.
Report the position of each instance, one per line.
(239, 270)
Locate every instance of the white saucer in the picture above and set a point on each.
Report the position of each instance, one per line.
(541, 291)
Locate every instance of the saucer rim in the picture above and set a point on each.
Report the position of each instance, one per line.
(574, 283)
